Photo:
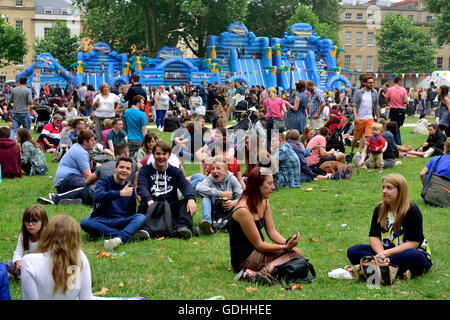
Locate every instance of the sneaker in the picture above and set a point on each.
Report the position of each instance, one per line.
(184, 233)
(370, 170)
(380, 171)
(407, 275)
(70, 202)
(112, 244)
(428, 153)
(195, 231)
(43, 200)
(143, 235)
(348, 172)
(206, 227)
(338, 174)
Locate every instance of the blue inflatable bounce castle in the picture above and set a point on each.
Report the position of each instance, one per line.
(235, 54)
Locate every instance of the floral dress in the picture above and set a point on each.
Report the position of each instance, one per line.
(297, 119)
(33, 157)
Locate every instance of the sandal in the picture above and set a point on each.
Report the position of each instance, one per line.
(243, 275)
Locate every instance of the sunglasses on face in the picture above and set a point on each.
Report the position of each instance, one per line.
(32, 221)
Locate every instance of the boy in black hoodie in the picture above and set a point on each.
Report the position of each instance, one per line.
(160, 181)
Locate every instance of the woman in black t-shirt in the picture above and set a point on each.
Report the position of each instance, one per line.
(396, 231)
(249, 252)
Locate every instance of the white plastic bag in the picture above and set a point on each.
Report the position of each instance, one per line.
(340, 274)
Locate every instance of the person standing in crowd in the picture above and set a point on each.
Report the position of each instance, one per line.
(22, 101)
(59, 270)
(89, 95)
(104, 104)
(136, 124)
(396, 231)
(316, 105)
(81, 92)
(365, 108)
(296, 114)
(275, 108)
(397, 97)
(162, 102)
(135, 88)
(431, 95)
(382, 98)
(444, 110)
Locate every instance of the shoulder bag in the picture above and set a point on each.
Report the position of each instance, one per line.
(437, 189)
(295, 270)
(380, 270)
(278, 124)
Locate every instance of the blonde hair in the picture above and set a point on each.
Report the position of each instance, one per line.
(272, 92)
(401, 205)
(62, 239)
(378, 126)
(221, 123)
(219, 160)
(447, 146)
(103, 85)
(107, 123)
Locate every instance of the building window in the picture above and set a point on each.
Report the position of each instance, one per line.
(2, 82)
(429, 18)
(359, 39)
(64, 12)
(46, 31)
(370, 17)
(19, 25)
(348, 38)
(48, 10)
(358, 63)
(440, 62)
(347, 62)
(348, 16)
(19, 3)
(369, 63)
(370, 39)
(359, 16)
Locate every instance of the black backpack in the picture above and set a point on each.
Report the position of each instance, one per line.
(221, 218)
(294, 271)
(158, 220)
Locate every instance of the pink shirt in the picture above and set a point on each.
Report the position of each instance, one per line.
(396, 96)
(104, 134)
(275, 106)
(314, 158)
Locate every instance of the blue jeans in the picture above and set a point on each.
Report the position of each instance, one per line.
(195, 179)
(207, 204)
(17, 120)
(410, 259)
(79, 193)
(160, 116)
(71, 182)
(114, 225)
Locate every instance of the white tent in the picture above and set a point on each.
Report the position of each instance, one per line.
(439, 77)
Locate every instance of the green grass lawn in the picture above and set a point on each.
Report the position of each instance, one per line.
(200, 268)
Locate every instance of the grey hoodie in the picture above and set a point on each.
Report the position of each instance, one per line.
(209, 188)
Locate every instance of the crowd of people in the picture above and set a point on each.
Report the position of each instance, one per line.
(109, 161)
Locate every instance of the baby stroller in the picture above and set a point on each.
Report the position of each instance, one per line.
(238, 135)
(241, 106)
(336, 126)
(44, 116)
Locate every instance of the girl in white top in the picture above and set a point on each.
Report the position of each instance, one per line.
(34, 220)
(59, 270)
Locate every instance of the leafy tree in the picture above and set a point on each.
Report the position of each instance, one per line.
(13, 44)
(303, 14)
(412, 52)
(440, 25)
(59, 43)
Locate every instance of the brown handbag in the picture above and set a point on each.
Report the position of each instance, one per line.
(378, 269)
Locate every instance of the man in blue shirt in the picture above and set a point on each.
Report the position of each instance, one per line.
(114, 213)
(136, 124)
(74, 168)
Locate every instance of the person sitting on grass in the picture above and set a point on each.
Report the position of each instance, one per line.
(251, 256)
(146, 148)
(434, 145)
(220, 185)
(289, 173)
(85, 195)
(33, 159)
(10, 159)
(116, 135)
(114, 213)
(59, 270)
(51, 134)
(159, 181)
(34, 220)
(396, 231)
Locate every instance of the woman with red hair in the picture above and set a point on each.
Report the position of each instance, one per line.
(254, 257)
